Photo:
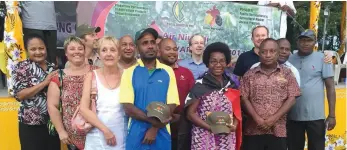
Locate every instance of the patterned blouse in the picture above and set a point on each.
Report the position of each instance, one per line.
(32, 111)
(71, 95)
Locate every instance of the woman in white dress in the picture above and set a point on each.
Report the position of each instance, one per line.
(109, 132)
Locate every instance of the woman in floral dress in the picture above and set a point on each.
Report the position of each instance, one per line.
(71, 94)
(211, 93)
(30, 80)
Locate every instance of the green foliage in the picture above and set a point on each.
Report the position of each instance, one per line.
(333, 25)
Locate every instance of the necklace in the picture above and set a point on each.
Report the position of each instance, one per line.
(103, 73)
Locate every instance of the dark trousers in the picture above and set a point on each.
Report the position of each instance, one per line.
(184, 142)
(264, 142)
(244, 119)
(50, 37)
(174, 143)
(36, 137)
(315, 133)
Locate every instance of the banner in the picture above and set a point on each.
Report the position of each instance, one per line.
(66, 20)
(226, 22)
(14, 51)
(336, 139)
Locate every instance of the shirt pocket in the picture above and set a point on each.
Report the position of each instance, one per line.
(281, 83)
(280, 87)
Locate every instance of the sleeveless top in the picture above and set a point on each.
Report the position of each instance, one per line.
(110, 112)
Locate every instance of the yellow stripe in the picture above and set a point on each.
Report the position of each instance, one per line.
(314, 17)
(126, 87)
(3, 58)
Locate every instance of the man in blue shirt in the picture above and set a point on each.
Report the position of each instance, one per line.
(146, 82)
(195, 64)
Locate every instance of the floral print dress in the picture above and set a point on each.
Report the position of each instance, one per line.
(71, 95)
(32, 111)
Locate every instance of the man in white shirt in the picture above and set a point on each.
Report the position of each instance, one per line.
(287, 7)
(284, 54)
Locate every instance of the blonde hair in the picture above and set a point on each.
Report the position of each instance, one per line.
(109, 39)
(71, 39)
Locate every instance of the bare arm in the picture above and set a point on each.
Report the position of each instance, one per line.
(151, 133)
(331, 95)
(175, 114)
(172, 108)
(285, 107)
(291, 12)
(85, 102)
(31, 91)
(249, 108)
(193, 116)
(133, 112)
(53, 98)
(233, 126)
(273, 4)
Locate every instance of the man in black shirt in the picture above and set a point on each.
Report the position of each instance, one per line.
(247, 59)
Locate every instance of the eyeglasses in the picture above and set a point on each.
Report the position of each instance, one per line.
(215, 62)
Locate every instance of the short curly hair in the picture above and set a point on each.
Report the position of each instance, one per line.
(71, 39)
(216, 47)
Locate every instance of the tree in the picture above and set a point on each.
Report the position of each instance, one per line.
(333, 26)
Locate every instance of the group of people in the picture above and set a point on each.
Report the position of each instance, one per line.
(271, 97)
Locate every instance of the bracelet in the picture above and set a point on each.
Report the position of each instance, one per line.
(330, 117)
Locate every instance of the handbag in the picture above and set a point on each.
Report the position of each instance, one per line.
(77, 120)
(50, 125)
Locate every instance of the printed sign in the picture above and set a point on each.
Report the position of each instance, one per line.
(66, 20)
(226, 22)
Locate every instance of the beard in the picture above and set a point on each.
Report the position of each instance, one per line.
(167, 62)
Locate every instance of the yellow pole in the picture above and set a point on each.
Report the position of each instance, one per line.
(343, 29)
(314, 17)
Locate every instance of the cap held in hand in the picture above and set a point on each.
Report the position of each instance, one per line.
(218, 122)
(158, 110)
